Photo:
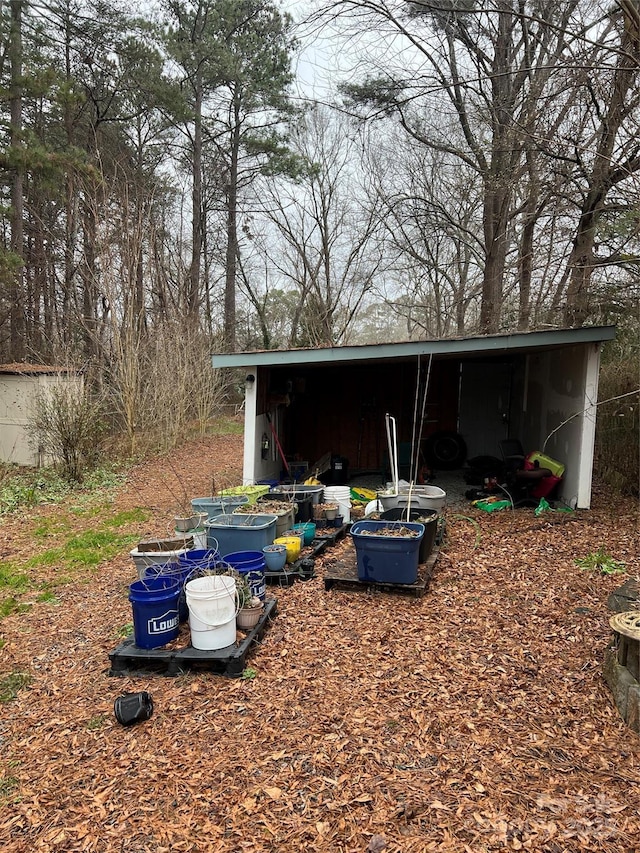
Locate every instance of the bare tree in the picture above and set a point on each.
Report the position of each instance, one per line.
(429, 205)
(328, 244)
(610, 156)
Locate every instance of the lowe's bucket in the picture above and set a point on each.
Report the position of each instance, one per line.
(213, 606)
(251, 565)
(256, 580)
(155, 610)
(181, 574)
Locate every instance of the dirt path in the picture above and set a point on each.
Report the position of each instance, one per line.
(473, 719)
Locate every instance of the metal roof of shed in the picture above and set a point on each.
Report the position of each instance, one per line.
(447, 347)
(24, 369)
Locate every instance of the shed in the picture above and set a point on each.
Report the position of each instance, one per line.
(540, 387)
(20, 386)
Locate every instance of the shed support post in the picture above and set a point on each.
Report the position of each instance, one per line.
(250, 438)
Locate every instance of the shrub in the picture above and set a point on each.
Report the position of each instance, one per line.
(67, 426)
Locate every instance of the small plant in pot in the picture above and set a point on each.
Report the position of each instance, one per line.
(250, 606)
(185, 523)
(327, 512)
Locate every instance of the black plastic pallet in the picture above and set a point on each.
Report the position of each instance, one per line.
(345, 577)
(301, 570)
(129, 659)
(330, 535)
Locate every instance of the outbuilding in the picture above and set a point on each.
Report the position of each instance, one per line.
(455, 399)
(20, 386)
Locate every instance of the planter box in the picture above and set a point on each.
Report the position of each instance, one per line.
(428, 517)
(422, 497)
(218, 505)
(241, 532)
(284, 510)
(303, 502)
(252, 492)
(386, 559)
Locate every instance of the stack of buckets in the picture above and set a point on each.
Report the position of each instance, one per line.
(213, 606)
(340, 495)
(165, 596)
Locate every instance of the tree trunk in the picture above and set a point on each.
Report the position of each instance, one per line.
(495, 212)
(197, 215)
(16, 295)
(88, 276)
(605, 172)
(231, 255)
(71, 205)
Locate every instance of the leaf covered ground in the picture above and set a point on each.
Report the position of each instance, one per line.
(473, 719)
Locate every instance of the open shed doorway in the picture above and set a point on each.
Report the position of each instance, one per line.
(539, 387)
(488, 409)
(339, 412)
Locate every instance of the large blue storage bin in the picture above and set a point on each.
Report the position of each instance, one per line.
(240, 532)
(219, 504)
(386, 559)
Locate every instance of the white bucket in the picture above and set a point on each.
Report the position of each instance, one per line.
(213, 606)
(340, 495)
(199, 538)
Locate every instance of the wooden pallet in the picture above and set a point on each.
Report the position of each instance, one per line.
(344, 575)
(129, 659)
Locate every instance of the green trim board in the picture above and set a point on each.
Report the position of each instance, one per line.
(448, 347)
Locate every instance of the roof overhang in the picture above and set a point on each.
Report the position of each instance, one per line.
(488, 345)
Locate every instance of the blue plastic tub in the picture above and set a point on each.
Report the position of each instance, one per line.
(387, 559)
(219, 504)
(155, 611)
(241, 532)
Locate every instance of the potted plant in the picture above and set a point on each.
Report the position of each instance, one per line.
(250, 606)
(326, 511)
(185, 523)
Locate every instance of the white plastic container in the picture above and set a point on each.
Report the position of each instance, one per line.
(213, 606)
(199, 537)
(144, 559)
(419, 497)
(340, 495)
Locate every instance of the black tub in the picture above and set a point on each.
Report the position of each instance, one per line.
(428, 517)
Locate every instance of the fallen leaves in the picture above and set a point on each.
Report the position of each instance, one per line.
(474, 719)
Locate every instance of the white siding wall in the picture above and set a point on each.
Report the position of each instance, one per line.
(18, 393)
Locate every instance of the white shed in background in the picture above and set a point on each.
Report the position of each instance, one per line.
(20, 386)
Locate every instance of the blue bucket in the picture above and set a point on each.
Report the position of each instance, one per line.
(199, 558)
(181, 574)
(251, 565)
(246, 559)
(155, 610)
(255, 579)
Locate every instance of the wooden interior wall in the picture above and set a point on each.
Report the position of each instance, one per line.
(340, 409)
